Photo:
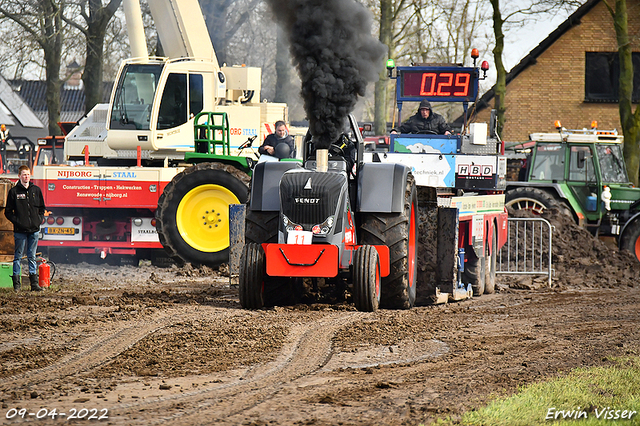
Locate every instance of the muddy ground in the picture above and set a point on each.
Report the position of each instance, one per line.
(148, 345)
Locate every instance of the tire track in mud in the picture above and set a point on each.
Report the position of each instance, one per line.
(308, 349)
(97, 351)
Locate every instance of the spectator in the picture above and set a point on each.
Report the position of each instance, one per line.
(25, 209)
(4, 140)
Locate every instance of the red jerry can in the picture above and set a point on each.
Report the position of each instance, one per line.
(43, 272)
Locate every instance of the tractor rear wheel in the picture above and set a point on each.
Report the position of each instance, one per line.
(534, 199)
(630, 240)
(261, 227)
(193, 213)
(251, 279)
(366, 279)
(490, 265)
(398, 231)
(473, 271)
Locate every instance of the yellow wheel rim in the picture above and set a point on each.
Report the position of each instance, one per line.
(202, 217)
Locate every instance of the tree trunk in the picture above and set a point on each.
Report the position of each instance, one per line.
(92, 75)
(52, 47)
(97, 21)
(381, 86)
(500, 88)
(630, 121)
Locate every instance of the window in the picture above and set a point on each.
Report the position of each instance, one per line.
(549, 162)
(134, 96)
(173, 107)
(581, 168)
(602, 74)
(196, 94)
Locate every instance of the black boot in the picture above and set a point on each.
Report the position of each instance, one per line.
(17, 282)
(33, 278)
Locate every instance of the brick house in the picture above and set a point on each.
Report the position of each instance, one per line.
(571, 76)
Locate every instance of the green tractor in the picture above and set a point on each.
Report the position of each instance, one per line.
(580, 173)
(193, 210)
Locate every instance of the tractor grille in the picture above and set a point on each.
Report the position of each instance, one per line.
(309, 207)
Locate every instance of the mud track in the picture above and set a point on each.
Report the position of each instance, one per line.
(173, 346)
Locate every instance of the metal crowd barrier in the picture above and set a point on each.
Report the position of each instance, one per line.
(528, 250)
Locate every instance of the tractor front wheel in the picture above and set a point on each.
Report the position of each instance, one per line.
(535, 200)
(251, 279)
(366, 279)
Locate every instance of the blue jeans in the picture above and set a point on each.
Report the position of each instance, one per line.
(31, 241)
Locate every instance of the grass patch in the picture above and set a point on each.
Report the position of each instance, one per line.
(586, 396)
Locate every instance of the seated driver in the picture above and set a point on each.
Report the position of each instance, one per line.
(425, 121)
(279, 144)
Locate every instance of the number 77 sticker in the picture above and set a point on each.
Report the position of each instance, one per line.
(299, 237)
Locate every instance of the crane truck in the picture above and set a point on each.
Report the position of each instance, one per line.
(118, 164)
(421, 221)
(581, 173)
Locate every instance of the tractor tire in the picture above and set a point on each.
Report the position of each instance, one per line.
(366, 279)
(251, 278)
(193, 213)
(490, 265)
(630, 240)
(399, 232)
(474, 273)
(261, 227)
(534, 199)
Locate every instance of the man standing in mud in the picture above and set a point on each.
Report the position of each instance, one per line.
(25, 209)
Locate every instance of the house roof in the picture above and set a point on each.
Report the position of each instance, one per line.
(531, 58)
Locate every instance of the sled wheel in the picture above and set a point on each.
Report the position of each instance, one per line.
(473, 271)
(534, 199)
(251, 279)
(398, 231)
(193, 213)
(631, 239)
(490, 265)
(366, 279)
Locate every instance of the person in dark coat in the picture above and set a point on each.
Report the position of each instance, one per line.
(25, 209)
(281, 136)
(425, 121)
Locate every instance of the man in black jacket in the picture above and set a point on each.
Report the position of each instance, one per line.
(425, 121)
(25, 209)
(271, 145)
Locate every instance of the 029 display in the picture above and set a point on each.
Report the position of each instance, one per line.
(443, 84)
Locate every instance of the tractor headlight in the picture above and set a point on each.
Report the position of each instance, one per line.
(289, 225)
(324, 227)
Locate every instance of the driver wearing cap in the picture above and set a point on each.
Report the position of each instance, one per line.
(425, 121)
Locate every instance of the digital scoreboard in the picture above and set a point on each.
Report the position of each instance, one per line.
(440, 84)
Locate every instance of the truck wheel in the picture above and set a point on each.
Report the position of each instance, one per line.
(261, 227)
(631, 239)
(193, 213)
(251, 278)
(366, 279)
(473, 271)
(533, 199)
(398, 231)
(490, 265)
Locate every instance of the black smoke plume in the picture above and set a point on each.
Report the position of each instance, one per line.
(336, 56)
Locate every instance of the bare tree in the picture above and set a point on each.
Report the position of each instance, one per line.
(629, 119)
(512, 14)
(96, 17)
(42, 21)
(224, 18)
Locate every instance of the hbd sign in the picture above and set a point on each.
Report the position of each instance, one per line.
(475, 170)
